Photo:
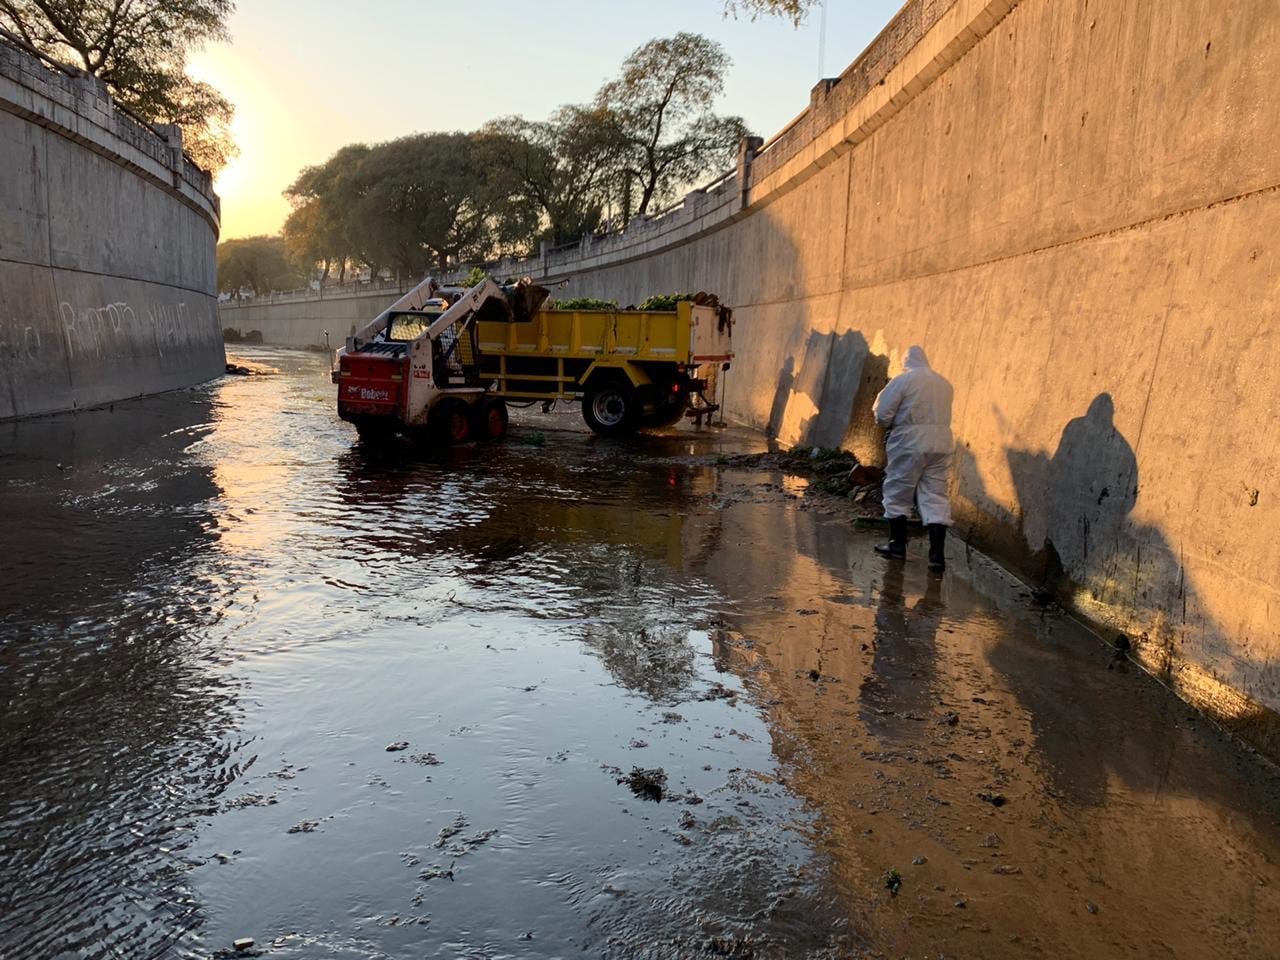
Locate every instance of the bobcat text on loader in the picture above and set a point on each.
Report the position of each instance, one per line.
(439, 364)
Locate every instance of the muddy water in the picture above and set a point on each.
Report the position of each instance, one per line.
(218, 612)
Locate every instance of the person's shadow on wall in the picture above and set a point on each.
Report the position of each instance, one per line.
(826, 399)
(1074, 506)
(781, 394)
(1074, 517)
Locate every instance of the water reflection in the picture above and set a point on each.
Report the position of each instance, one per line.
(111, 689)
(902, 687)
(227, 610)
(952, 730)
(585, 542)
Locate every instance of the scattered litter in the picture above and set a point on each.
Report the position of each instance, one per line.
(647, 784)
(304, 826)
(893, 882)
(995, 799)
(718, 691)
(459, 824)
(244, 943)
(397, 745)
(949, 718)
(437, 873)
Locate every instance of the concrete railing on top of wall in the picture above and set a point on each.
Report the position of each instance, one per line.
(79, 106)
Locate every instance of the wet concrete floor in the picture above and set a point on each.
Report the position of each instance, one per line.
(218, 614)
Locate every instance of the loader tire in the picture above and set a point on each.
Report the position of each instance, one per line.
(490, 421)
(611, 407)
(374, 430)
(449, 422)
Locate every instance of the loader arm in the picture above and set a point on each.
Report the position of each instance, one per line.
(415, 299)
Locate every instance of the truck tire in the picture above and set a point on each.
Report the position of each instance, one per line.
(449, 422)
(490, 419)
(668, 411)
(611, 407)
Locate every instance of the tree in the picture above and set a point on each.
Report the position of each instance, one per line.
(139, 49)
(660, 109)
(554, 174)
(411, 203)
(425, 202)
(325, 225)
(261, 264)
(793, 10)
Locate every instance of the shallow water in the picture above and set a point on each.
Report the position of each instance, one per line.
(219, 611)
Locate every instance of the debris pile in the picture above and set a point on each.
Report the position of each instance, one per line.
(829, 470)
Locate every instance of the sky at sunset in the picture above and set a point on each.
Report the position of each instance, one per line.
(308, 78)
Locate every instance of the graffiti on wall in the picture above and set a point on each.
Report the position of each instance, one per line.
(96, 331)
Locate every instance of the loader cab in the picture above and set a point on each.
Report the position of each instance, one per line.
(405, 326)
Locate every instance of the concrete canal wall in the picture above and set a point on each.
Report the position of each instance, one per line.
(107, 238)
(1074, 207)
(303, 321)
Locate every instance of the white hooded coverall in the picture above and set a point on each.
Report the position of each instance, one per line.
(916, 407)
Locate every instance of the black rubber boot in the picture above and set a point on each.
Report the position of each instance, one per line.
(937, 546)
(896, 548)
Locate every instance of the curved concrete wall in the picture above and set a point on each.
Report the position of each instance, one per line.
(1075, 209)
(302, 321)
(107, 270)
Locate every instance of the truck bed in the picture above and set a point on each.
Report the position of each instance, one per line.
(689, 335)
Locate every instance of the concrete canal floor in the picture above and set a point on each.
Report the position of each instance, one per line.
(218, 612)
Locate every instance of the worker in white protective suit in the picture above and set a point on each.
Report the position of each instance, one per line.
(915, 407)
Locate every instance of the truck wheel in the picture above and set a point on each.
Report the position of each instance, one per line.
(490, 419)
(668, 412)
(611, 407)
(450, 422)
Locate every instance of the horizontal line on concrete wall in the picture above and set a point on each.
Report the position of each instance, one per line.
(109, 276)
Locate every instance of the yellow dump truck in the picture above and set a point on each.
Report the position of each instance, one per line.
(441, 363)
(630, 368)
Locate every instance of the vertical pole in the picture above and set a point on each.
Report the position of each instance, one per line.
(822, 39)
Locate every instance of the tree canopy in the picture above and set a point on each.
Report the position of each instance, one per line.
(793, 10)
(139, 49)
(260, 264)
(660, 107)
(428, 201)
(554, 174)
